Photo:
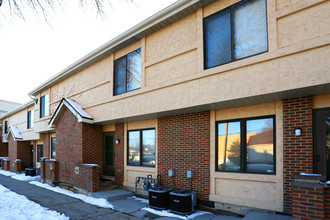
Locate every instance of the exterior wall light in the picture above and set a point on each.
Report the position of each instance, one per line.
(117, 141)
(298, 132)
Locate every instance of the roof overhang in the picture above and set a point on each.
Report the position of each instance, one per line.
(76, 109)
(20, 108)
(15, 133)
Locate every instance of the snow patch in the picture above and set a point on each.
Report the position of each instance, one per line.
(22, 177)
(310, 174)
(7, 173)
(90, 200)
(14, 206)
(167, 213)
(140, 199)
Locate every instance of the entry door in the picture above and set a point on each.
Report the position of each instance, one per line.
(322, 141)
(108, 154)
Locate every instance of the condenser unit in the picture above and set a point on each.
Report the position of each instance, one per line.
(159, 197)
(182, 201)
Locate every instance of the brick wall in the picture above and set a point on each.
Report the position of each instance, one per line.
(77, 143)
(298, 151)
(49, 170)
(46, 146)
(327, 202)
(19, 150)
(308, 202)
(119, 154)
(3, 146)
(88, 178)
(92, 144)
(184, 144)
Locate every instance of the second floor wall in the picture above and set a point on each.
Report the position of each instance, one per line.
(173, 75)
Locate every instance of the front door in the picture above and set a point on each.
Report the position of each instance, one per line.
(108, 154)
(322, 141)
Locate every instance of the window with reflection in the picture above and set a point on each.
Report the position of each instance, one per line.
(53, 148)
(44, 106)
(142, 148)
(30, 119)
(246, 145)
(236, 32)
(127, 72)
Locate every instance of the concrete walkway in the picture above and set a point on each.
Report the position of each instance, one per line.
(127, 208)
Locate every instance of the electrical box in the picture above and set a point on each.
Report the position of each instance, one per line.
(171, 173)
(190, 174)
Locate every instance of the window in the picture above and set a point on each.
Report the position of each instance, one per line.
(53, 148)
(127, 72)
(30, 119)
(39, 152)
(246, 145)
(6, 127)
(141, 148)
(234, 33)
(44, 106)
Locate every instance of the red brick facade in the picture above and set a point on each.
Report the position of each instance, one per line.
(46, 146)
(49, 170)
(19, 150)
(3, 146)
(119, 154)
(298, 151)
(77, 143)
(184, 144)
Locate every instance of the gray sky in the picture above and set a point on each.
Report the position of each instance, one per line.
(32, 51)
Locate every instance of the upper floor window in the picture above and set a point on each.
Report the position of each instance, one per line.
(141, 148)
(246, 145)
(44, 106)
(6, 127)
(30, 119)
(127, 72)
(236, 32)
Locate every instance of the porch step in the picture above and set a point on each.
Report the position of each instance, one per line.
(113, 195)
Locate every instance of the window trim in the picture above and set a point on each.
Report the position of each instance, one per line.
(141, 148)
(114, 73)
(230, 8)
(243, 151)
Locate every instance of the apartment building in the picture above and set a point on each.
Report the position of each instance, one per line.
(236, 91)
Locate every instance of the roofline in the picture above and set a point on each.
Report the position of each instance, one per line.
(18, 109)
(131, 35)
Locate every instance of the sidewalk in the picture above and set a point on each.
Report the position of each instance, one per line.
(123, 208)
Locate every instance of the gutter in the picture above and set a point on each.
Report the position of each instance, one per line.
(133, 34)
(18, 109)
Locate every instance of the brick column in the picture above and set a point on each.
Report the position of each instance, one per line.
(298, 150)
(17, 166)
(6, 165)
(119, 154)
(43, 169)
(308, 198)
(87, 177)
(184, 144)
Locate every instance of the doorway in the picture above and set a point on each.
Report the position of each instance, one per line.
(31, 156)
(108, 154)
(322, 141)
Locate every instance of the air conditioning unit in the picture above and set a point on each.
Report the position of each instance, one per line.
(159, 197)
(182, 202)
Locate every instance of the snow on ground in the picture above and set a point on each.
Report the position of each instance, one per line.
(140, 199)
(167, 213)
(90, 200)
(22, 177)
(14, 206)
(7, 173)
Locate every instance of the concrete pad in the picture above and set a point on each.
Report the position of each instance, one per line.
(144, 214)
(268, 216)
(226, 217)
(128, 205)
(113, 195)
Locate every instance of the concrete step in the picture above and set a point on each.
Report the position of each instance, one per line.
(113, 195)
